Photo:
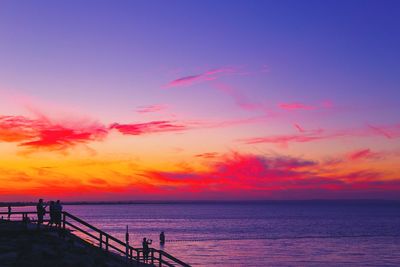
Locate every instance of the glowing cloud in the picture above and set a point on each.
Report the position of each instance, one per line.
(148, 127)
(44, 134)
(273, 176)
(57, 137)
(17, 128)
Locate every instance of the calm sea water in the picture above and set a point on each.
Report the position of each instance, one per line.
(260, 234)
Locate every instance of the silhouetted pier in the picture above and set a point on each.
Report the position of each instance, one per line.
(104, 241)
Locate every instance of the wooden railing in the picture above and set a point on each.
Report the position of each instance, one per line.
(107, 242)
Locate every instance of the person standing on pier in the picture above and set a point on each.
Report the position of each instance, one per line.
(9, 212)
(146, 248)
(41, 211)
(57, 213)
(51, 212)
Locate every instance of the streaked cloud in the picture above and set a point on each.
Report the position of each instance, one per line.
(209, 75)
(363, 154)
(47, 135)
(301, 106)
(299, 128)
(148, 127)
(304, 136)
(207, 155)
(151, 108)
(296, 106)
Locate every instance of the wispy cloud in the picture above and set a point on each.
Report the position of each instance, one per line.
(284, 140)
(363, 154)
(296, 106)
(241, 100)
(18, 128)
(304, 136)
(386, 131)
(58, 137)
(148, 127)
(301, 106)
(207, 155)
(44, 134)
(299, 128)
(209, 75)
(151, 108)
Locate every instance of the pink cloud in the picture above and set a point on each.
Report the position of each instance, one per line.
(296, 106)
(148, 127)
(363, 154)
(46, 134)
(57, 137)
(300, 106)
(43, 134)
(18, 128)
(241, 100)
(208, 155)
(151, 108)
(299, 128)
(205, 76)
(283, 140)
(388, 131)
(247, 176)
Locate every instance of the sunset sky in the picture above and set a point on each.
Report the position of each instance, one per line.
(199, 100)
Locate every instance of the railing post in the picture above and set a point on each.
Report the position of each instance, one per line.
(63, 221)
(130, 253)
(159, 259)
(127, 244)
(137, 257)
(101, 240)
(152, 256)
(25, 219)
(106, 242)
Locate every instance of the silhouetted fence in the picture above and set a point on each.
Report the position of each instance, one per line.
(106, 241)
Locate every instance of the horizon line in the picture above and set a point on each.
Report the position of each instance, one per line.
(128, 202)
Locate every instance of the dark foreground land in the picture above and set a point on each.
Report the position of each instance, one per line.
(22, 245)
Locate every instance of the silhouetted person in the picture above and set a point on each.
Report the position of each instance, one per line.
(52, 214)
(162, 238)
(146, 248)
(9, 212)
(41, 211)
(57, 213)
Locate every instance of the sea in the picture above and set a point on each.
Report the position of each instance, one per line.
(269, 233)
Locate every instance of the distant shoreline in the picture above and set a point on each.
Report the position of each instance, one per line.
(228, 202)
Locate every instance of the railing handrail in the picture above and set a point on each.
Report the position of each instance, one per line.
(128, 253)
(17, 212)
